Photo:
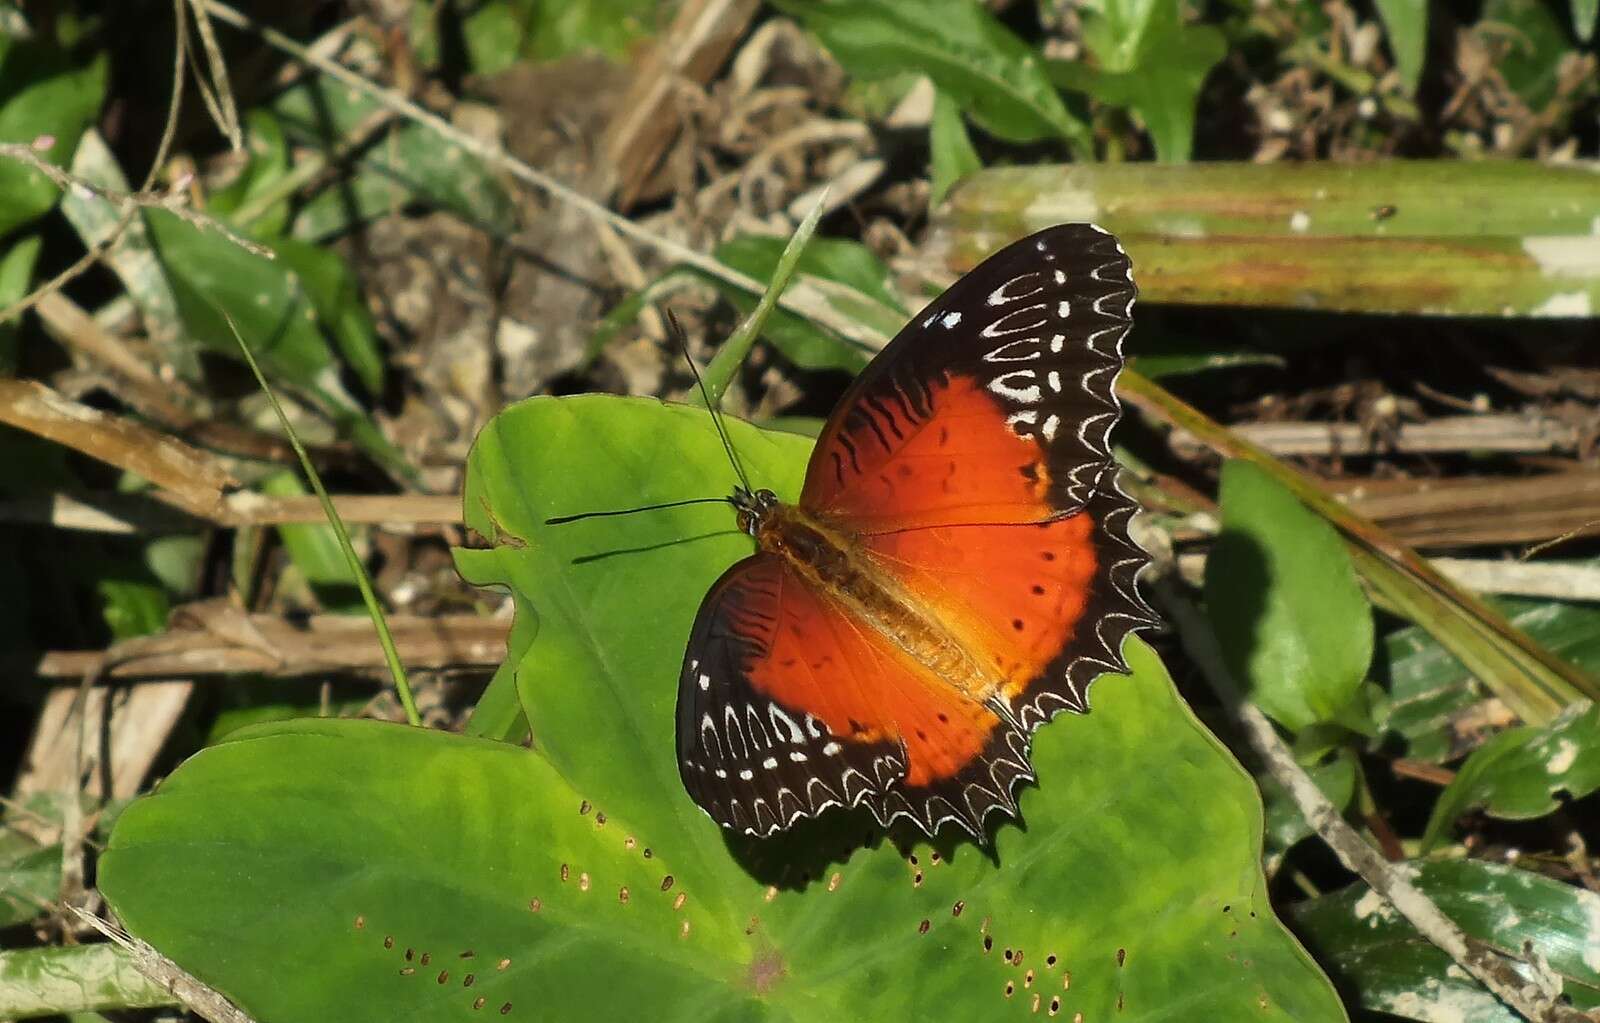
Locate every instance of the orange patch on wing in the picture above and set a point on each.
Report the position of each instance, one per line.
(878, 471)
(1013, 595)
(862, 687)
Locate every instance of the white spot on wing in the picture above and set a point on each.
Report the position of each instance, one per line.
(779, 717)
(949, 321)
(1019, 385)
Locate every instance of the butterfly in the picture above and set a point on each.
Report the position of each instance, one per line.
(956, 571)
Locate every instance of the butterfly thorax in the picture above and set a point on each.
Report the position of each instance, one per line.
(837, 565)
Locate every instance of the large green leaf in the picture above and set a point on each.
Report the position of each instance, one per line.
(315, 553)
(305, 868)
(1151, 62)
(995, 77)
(50, 981)
(1583, 17)
(30, 877)
(407, 164)
(614, 600)
(1390, 968)
(1294, 626)
(16, 275)
(1519, 773)
(1406, 21)
(1531, 43)
(863, 295)
(1430, 689)
(258, 187)
(951, 155)
(500, 33)
(214, 281)
(43, 93)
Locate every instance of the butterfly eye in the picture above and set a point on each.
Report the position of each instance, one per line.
(745, 523)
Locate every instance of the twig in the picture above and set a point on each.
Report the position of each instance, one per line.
(1557, 581)
(175, 202)
(139, 513)
(82, 263)
(1554, 581)
(196, 996)
(1506, 432)
(216, 93)
(1536, 1000)
(796, 299)
(189, 478)
(169, 402)
(315, 163)
(280, 648)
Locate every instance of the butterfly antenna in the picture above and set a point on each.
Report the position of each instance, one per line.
(563, 519)
(680, 336)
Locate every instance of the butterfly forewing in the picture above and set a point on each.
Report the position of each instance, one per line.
(1033, 335)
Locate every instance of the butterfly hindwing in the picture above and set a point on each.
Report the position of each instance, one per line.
(786, 707)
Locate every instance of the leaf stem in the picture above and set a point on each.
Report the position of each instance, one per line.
(720, 371)
(397, 671)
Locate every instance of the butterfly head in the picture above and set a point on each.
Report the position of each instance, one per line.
(755, 507)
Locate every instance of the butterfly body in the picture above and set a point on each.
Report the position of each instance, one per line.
(830, 561)
(956, 571)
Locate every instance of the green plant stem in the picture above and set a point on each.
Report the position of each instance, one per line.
(397, 671)
(720, 372)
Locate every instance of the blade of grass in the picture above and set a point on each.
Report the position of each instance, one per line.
(720, 371)
(1533, 682)
(397, 671)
